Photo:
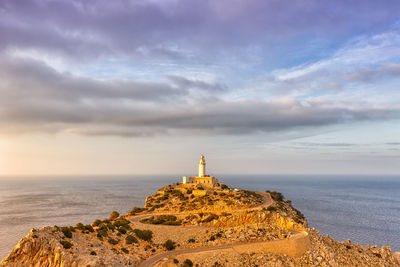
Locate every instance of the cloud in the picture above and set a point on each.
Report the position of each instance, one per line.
(33, 80)
(362, 69)
(178, 29)
(160, 38)
(373, 74)
(35, 97)
(310, 144)
(183, 82)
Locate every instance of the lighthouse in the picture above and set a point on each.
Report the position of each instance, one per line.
(202, 178)
(202, 166)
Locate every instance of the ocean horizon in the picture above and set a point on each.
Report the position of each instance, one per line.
(362, 208)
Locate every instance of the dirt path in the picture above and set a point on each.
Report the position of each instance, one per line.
(267, 201)
(156, 258)
(293, 246)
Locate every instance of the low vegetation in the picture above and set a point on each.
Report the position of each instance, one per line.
(162, 219)
(210, 218)
(136, 210)
(169, 244)
(130, 239)
(276, 195)
(113, 241)
(67, 231)
(145, 235)
(66, 244)
(187, 263)
(84, 228)
(181, 199)
(114, 215)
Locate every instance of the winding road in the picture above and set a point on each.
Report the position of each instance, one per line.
(288, 244)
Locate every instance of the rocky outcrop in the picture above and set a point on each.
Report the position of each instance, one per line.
(272, 233)
(43, 248)
(176, 198)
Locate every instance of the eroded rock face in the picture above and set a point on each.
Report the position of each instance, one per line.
(43, 248)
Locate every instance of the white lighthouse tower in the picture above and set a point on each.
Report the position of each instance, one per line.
(203, 179)
(202, 166)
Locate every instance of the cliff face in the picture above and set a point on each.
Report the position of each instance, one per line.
(270, 234)
(43, 248)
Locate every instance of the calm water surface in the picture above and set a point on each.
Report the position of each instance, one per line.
(363, 209)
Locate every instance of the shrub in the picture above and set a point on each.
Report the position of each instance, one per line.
(136, 210)
(106, 225)
(253, 194)
(191, 240)
(121, 231)
(299, 214)
(169, 244)
(276, 195)
(112, 241)
(224, 186)
(378, 255)
(66, 244)
(162, 219)
(164, 197)
(122, 225)
(145, 235)
(125, 250)
(176, 261)
(102, 232)
(188, 191)
(97, 222)
(191, 217)
(89, 228)
(271, 208)
(187, 263)
(210, 218)
(93, 253)
(66, 231)
(177, 193)
(114, 215)
(130, 239)
(80, 226)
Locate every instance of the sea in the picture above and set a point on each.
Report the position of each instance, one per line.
(364, 209)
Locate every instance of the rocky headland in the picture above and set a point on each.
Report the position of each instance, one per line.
(181, 226)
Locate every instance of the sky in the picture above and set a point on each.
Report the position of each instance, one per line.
(145, 87)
